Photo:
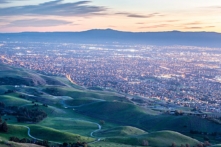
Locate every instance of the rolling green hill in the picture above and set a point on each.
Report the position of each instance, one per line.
(126, 124)
(50, 134)
(13, 100)
(5, 143)
(120, 131)
(19, 76)
(156, 139)
(146, 119)
(75, 93)
(13, 130)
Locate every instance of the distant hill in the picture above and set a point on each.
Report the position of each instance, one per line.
(210, 39)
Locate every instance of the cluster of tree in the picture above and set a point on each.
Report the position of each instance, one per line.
(25, 140)
(3, 126)
(9, 91)
(53, 91)
(198, 132)
(205, 144)
(2, 105)
(46, 143)
(205, 133)
(45, 105)
(78, 144)
(30, 115)
(23, 114)
(15, 81)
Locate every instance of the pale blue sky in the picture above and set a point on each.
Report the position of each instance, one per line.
(126, 15)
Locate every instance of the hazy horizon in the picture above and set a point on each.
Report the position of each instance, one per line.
(104, 29)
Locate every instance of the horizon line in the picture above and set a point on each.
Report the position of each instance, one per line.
(110, 30)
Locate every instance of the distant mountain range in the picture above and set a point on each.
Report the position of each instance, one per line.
(208, 39)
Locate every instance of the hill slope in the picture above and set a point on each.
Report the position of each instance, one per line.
(120, 131)
(19, 76)
(156, 139)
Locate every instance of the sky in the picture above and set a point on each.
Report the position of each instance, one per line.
(123, 15)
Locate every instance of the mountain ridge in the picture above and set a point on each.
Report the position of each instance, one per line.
(108, 29)
(205, 39)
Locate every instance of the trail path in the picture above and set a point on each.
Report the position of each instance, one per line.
(91, 134)
(99, 126)
(38, 139)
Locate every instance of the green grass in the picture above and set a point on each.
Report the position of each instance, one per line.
(116, 112)
(70, 125)
(63, 124)
(4, 88)
(74, 93)
(157, 139)
(148, 120)
(110, 144)
(14, 130)
(13, 100)
(119, 131)
(80, 101)
(18, 76)
(3, 143)
(50, 134)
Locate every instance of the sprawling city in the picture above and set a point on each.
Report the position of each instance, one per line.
(184, 75)
(96, 73)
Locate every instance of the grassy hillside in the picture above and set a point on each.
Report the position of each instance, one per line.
(13, 100)
(5, 143)
(13, 130)
(71, 125)
(4, 88)
(50, 134)
(116, 112)
(19, 76)
(157, 139)
(149, 120)
(123, 119)
(75, 93)
(111, 144)
(119, 131)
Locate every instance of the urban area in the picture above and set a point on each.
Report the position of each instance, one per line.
(182, 75)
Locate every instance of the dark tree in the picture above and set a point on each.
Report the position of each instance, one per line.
(173, 145)
(65, 144)
(4, 127)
